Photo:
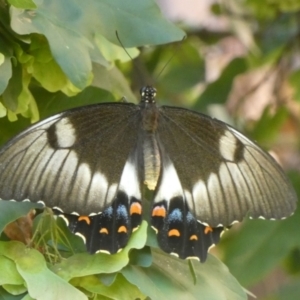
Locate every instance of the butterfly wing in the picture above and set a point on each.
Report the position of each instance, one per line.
(211, 176)
(224, 175)
(68, 161)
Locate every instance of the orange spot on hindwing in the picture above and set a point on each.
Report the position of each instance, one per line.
(135, 208)
(173, 232)
(159, 211)
(208, 229)
(193, 237)
(85, 218)
(122, 229)
(103, 230)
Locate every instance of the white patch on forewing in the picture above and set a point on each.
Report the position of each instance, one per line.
(65, 133)
(49, 168)
(215, 194)
(98, 188)
(242, 188)
(227, 146)
(214, 188)
(129, 182)
(170, 185)
(200, 196)
(37, 177)
(111, 193)
(227, 182)
(65, 177)
(82, 182)
(189, 199)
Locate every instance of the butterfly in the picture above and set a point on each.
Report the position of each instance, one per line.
(92, 165)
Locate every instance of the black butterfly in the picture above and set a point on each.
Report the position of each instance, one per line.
(91, 164)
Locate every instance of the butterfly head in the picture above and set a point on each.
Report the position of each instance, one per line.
(148, 94)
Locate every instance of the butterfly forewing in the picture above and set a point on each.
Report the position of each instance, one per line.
(71, 156)
(224, 176)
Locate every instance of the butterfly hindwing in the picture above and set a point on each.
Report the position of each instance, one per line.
(110, 230)
(179, 233)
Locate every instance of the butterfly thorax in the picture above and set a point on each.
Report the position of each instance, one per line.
(151, 153)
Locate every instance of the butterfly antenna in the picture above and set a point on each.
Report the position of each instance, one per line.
(139, 70)
(123, 45)
(169, 60)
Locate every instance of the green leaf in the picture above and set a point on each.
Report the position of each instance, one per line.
(72, 40)
(169, 278)
(151, 237)
(15, 289)
(84, 264)
(10, 211)
(114, 81)
(112, 52)
(25, 4)
(27, 105)
(44, 68)
(55, 233)
(267, 128)
(9, 129)
(50, 104)
(40, 281)
(5, 64)
(256, 239)
(264, 237)
(4, 295)
(141, 257)
(68, 48)
(8, 272)
(3, 110)
(2, 58)
(5, 73)
(13, 89)
(27, 297)
(120, 289)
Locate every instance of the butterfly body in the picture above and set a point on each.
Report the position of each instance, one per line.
(90, 165)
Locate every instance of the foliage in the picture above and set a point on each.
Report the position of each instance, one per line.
(55, 55)
(121, 276)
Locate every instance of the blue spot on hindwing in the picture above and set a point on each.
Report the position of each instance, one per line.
(190, 218)
(175, 215)
(122, 212)
(108, 212)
